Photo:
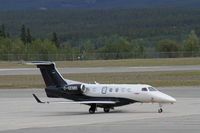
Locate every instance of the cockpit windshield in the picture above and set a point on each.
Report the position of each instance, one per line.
(152, 89)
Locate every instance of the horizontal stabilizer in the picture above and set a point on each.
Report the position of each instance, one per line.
(74, 102)
(39, 63)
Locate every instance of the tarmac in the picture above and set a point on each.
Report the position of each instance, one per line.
(68, 70)
(19, 113)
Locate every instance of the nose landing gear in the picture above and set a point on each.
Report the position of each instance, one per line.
(160, 110)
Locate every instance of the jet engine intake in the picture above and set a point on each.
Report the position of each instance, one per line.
(74, 89)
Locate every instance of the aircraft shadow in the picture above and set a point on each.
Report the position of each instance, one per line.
(96, 113)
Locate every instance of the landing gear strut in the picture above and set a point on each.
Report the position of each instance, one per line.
(92, 109)
(160, 110)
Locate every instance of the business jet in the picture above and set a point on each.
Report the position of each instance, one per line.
(106, 96)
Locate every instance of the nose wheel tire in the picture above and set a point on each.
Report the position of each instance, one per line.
(160, 110)
(106, 110)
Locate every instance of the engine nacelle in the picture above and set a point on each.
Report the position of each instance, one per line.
(83, 88)
(74, 89)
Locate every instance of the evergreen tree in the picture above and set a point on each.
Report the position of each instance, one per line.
(23, 36)
(2, 31)
(7, 35)
(28, 36)
(55, 40)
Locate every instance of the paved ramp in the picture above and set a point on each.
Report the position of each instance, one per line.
(20, 113)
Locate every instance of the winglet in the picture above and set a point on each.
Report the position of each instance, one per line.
(37, 99)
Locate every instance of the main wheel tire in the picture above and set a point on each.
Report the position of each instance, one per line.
(106, 110)
(160, 110)
(91, 110)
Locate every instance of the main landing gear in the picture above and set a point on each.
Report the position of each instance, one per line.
(160, 110)
(92, 109)
(106, 110)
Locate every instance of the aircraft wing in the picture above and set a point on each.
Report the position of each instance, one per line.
(74, 102)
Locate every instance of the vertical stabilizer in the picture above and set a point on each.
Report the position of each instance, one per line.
(50, 74)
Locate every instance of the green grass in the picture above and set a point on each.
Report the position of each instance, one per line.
(114, 63)
(181, 78)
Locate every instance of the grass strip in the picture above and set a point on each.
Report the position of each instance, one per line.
(114, 63)
(180, 78)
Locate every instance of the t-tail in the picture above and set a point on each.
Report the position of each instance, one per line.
(51, 75)
(52, 78)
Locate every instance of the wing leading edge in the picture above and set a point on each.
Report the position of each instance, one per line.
(73, 102)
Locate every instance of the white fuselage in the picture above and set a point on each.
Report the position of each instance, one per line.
(136, 92)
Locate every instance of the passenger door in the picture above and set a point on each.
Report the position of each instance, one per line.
(104, 90)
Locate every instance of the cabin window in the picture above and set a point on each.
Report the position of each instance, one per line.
(152, 89)
(117, 89)
(144, 89)
(110, 90)
(104, 90)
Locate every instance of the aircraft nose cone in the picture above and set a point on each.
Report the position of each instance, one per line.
(165, 98)
(171, 100)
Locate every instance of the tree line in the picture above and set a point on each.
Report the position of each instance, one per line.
(120, 46)
(76, 25)
(125, 32)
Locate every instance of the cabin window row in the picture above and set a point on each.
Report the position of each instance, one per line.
(119, 90)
